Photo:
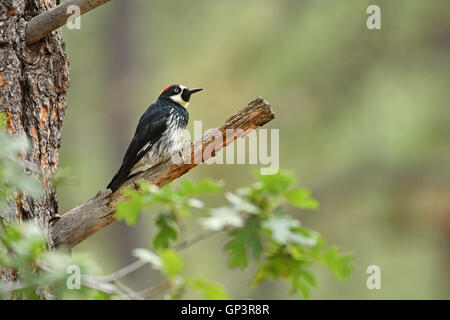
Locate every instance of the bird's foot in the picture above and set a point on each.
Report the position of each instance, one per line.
(177, 156)
(187, 144)
(180, 153)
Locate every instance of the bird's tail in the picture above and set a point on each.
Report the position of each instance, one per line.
(119, 179)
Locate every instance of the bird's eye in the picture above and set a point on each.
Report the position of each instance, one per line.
(176, 90)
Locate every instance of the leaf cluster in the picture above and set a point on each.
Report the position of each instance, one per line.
(261, 223)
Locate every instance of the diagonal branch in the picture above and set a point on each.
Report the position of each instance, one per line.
(98, 212)
(48, 21)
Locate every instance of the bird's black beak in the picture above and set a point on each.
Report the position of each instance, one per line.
(191, 91)
(187, 93)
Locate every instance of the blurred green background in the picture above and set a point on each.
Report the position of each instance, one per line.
(363, 116)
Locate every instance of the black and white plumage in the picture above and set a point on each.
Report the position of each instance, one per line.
(158, 134)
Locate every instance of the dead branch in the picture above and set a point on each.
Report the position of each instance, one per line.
(98, 212)
(48, 21)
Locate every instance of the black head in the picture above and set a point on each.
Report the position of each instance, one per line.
(178, 93)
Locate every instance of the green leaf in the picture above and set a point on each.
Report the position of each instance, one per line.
(172, 264)
(166, 232)
(222, 217)
(188, 188)
(299, 285)
(210, 291)
(281, 264)
(339, 263)
(13, 145)
(309, 278)
(31, 242)
(195, 203)
(99, 295)
(241, 204)
(283, 230)
(277, 183)
(302, 199)
(243, 240)
(11, 234)
(148, 256)
(12, 174)
(130, 209)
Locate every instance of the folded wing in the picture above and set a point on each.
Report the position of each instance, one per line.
(150, 128)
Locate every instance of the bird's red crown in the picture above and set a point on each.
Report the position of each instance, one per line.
(166, 88)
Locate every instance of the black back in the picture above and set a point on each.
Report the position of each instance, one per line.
(150, 128)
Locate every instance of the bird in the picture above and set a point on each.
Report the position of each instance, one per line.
(158, 135)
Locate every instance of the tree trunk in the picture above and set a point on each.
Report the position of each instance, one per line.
(33, 84)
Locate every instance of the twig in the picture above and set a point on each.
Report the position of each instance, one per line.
(110, 287)
(123, 272)
(129, 292)
(93, 283)
(154, 290)
(203, 235)
(48, 21)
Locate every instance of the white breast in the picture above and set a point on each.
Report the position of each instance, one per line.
(169, 143)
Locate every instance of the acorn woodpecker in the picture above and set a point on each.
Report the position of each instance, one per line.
(158, 134)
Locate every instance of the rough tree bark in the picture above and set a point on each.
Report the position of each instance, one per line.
(33, 84)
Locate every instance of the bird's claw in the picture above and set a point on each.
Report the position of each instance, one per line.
(180, 153)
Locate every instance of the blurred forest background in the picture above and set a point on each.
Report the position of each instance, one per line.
(363, 118)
